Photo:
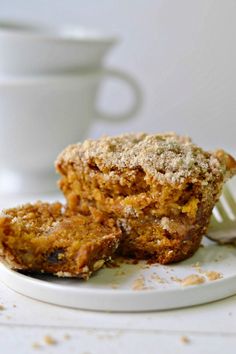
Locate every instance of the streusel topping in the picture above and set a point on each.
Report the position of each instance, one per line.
(167, 157)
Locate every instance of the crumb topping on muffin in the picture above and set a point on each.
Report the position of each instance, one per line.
(167, 157)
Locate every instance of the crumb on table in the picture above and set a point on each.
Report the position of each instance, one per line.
(36, 345)
(184, 339)
(50, 340)
(66, 336)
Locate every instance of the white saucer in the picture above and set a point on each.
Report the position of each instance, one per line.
(137, 287)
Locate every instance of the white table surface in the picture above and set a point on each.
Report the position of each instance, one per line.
(210, 328)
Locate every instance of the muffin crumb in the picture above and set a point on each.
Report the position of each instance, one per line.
(184, 339)
(139, 284)
(36, 345)
(50, 340)
(192, 279)
(158, 279)
(212, 275)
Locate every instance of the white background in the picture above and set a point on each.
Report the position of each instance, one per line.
(181, 52)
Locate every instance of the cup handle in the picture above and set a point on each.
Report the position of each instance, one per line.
(137, 96)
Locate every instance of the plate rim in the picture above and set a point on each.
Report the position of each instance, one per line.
(18, 281)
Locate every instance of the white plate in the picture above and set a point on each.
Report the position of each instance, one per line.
(137, 287)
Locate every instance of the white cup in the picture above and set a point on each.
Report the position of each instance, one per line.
(33, 50)
(39, 116)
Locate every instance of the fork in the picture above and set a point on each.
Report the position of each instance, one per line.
(222, 228)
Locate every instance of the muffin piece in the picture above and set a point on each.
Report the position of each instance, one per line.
(46, 238)
(159, 188)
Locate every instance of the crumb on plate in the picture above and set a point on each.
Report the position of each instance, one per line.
(139, 284)
(192, 279)
(212, 275)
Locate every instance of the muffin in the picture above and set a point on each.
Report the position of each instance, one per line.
(160, 190)
(47, 238)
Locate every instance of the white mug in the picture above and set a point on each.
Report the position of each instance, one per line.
(34, 50)
(40, 116)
